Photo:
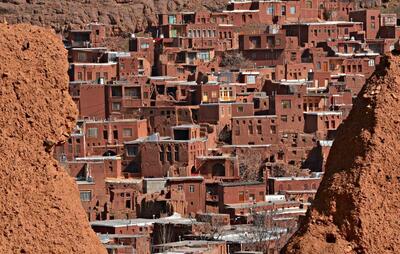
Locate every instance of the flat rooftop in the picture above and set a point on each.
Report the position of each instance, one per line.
(176, 218)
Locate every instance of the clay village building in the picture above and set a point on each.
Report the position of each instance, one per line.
(210, 132)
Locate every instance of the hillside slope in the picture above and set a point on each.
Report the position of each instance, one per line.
(126, 15)
(357, 204)
(40, 209)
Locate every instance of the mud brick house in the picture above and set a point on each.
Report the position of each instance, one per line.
(163, 156)
(97, 72)
(338, 10)
(101, 137)
(254, 130)
(323, 123)
(193, 188)
(124, 97)
(90, 99)
(301, 189)
(161, 119)
(214, 219)
(286, 102)
(87, 55)
(126, 243)
(240, 192)
(219, 114)
(107, 137)
(269, 49)
(218, 167)
(192, 246)
(315, 32)
(90, 174)
(142, 47)
(123, 197)
(93, 36)
(136, 226)
(370, 19)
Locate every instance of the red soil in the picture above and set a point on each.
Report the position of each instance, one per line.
(357, 206)
(40, 210)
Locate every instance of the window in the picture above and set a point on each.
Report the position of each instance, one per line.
(293, 10)
(81, 57)
(176, 153)
(116, 106)
(259, 129)
(191, 188)
(283, 10)
(284, 118)
(273, 129)
(132, 150)
(214, 94)
(270, 10)
(171, 19)
(127, 132)
(205, 56)
(86, 195)
(127, 204)
(250, 129)
(180, 187)
(286, 104)
(318, 66)
(92, 133)
(293, 56)
(327, 124)
(371, 62)
(240, 109)
(145, 45)
(133, 92)
(241, 196)
(251, 79)
(79, 75)
(237, 131)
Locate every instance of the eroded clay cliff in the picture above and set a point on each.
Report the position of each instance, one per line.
(126, 16)
(357, 207)
(40, 210)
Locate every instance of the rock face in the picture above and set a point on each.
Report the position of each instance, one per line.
(126, 16)
(357, 207)
(40, 210)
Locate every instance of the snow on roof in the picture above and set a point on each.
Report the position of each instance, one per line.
(175, 218)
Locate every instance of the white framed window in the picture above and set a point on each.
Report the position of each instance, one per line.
(251, 79)
(132, 150)
(145, 45)
(270, 10)
(191, 188)
(293, 10)
(371, 62)
(127, 132)
(92, 133)
(116, 106)
(86, 195)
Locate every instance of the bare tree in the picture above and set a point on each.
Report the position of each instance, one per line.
(269, 231)
(235, 61)
(251, 166)
(163, 233)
